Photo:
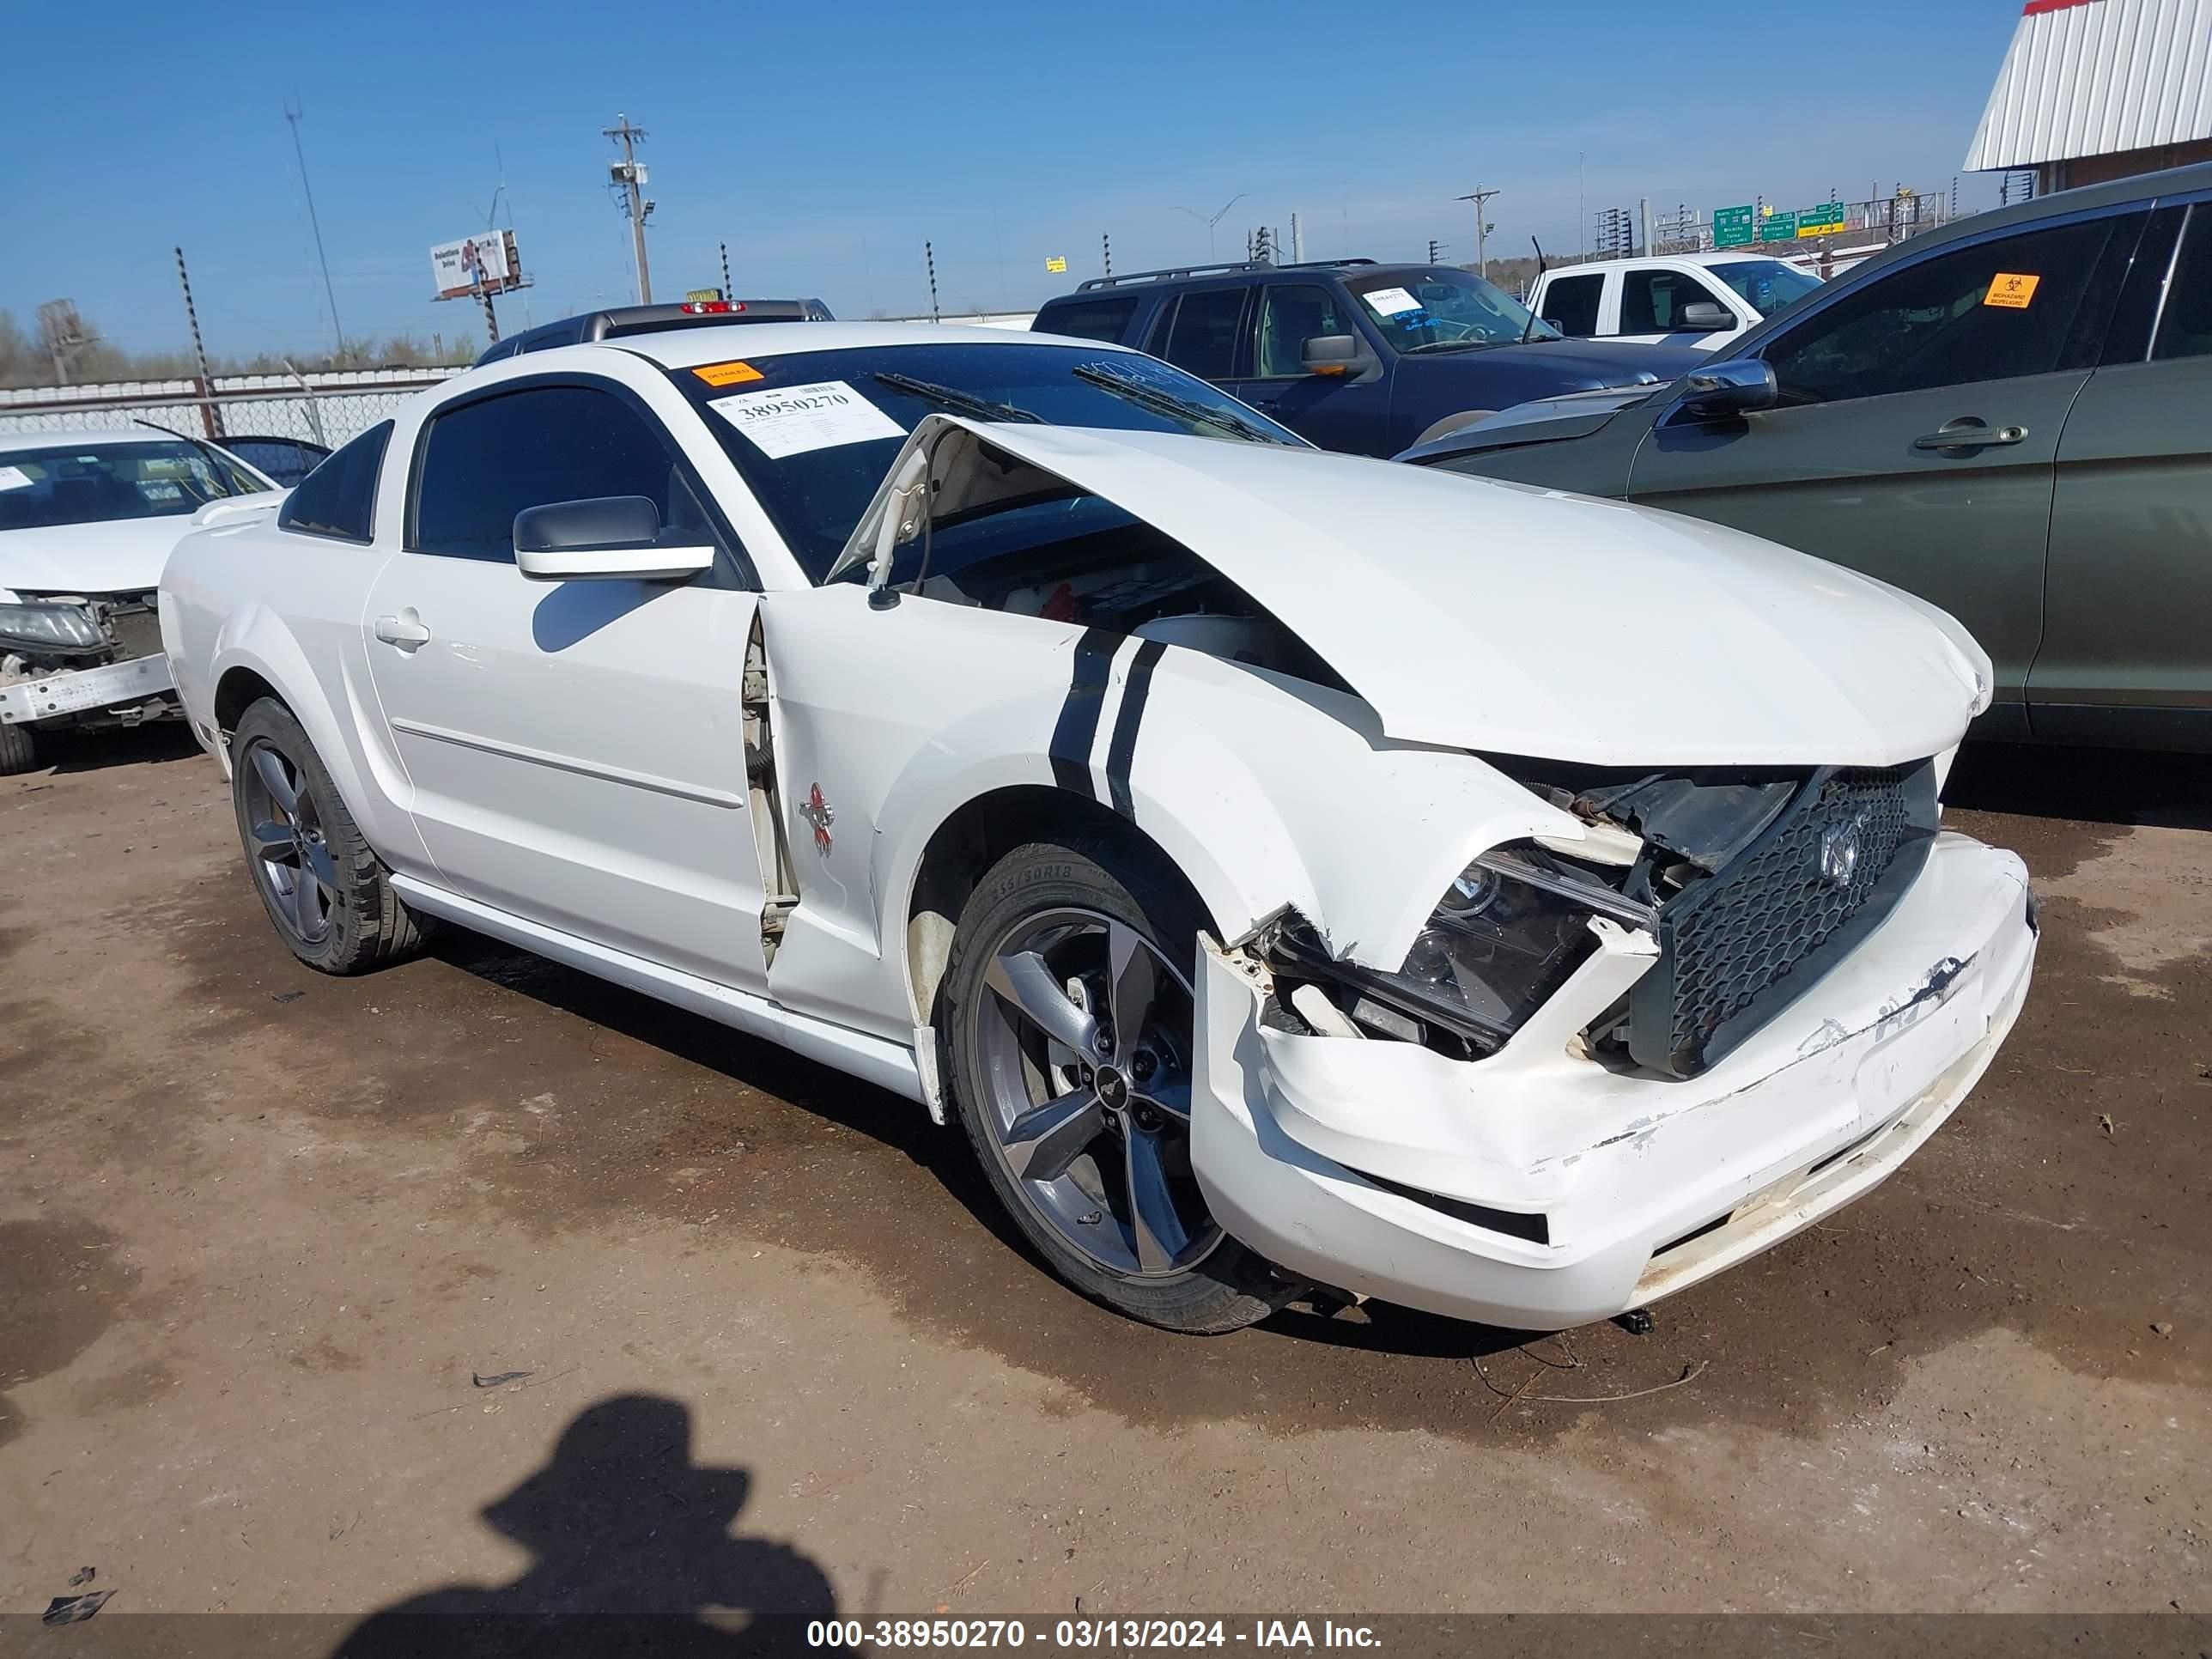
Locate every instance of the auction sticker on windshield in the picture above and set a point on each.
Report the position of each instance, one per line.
(793, 420)
(1389, 301)
(14, 477)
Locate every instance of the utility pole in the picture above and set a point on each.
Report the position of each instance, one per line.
(929, 259)
(1297, 241)
(211, 418)
(728, 294)
(292, 114)
(1480, 197)
(1436, 250)
(1106, 252)
(628, 176)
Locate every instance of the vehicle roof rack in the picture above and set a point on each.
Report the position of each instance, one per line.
(1174, 271)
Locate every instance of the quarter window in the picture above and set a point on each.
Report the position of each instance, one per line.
(486, 461)
(1291, 313)
(1201, 335)
(2023, 305)
(338, 498)
(1570, 305)
(1106, 318)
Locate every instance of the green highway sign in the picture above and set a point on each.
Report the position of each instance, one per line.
(1736, 226)
(1822, 221)
(1778, 228)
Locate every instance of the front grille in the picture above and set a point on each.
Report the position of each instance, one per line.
(137, 631)
(1739, 946)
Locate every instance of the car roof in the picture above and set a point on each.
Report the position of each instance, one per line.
(1710, 257)
(1176, 276)
(690, 348)
(80, 437)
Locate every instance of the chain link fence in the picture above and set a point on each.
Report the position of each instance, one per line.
(324, 409)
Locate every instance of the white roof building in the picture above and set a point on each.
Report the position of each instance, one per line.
(2097, 89)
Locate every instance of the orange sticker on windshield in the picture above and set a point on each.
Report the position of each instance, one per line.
(2010, 289)
(738, 373)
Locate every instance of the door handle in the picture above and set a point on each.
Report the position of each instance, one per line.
(406, 631)
(1970, 434)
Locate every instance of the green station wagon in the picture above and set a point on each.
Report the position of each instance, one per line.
(2011, 417)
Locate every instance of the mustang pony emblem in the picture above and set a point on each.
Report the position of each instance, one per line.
(817, 811)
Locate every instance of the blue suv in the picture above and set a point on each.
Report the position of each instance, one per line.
(1354, 355)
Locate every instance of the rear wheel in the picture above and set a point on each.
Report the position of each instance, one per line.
(328, 895)
(19, 750)
(1069, 1012)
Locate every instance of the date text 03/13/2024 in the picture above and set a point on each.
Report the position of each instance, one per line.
(1087, 1635)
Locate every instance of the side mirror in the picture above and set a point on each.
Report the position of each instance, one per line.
(1706, 315)
(1735, 387)
(1333, 355)
(609, 538)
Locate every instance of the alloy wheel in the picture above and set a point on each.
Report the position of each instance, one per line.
(291, 859)
(1084, 1040)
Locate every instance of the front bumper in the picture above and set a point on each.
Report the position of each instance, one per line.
(81, 692)
(1606, 1191)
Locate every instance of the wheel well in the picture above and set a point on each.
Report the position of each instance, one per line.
(976, 837)
(238, 691)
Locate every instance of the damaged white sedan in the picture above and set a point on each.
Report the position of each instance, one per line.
(1290, 869)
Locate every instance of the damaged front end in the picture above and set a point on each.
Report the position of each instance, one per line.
(78, 660)
(1613, 1064)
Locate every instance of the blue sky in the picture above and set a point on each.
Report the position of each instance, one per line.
(825, 146)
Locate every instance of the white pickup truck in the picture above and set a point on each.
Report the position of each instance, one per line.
(1682, 299)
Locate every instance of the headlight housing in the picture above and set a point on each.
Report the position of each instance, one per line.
(68, 628)
(1511, 928)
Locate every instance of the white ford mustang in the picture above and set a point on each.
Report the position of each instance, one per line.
(1291, 869)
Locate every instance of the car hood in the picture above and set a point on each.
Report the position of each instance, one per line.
(1480, 615)
(1540, 420)
(119, 556)
(1586, 363)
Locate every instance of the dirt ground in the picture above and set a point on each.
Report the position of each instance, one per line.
(268, 1241)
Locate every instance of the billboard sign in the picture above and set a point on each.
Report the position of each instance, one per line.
(486, 262)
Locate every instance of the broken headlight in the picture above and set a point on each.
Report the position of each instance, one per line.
(1499, 943)
(1507, 934)
(62, 628)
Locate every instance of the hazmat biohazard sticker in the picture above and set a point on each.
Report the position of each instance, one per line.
(796, 419)
(2011, 290)
(727, 374)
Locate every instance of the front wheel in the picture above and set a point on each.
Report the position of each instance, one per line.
(328, 895)
(1068, 1010)
(19, 750)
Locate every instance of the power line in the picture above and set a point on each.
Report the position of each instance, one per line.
(292, 114)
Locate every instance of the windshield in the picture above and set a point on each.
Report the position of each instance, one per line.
(1767, 285)
(1445, 310)
(814, 432)
(106, 480)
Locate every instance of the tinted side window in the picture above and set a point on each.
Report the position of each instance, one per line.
(486, 461)
(1291, 313)
(1105, 318)
(1202, 339)
(338, 498)
(1570, 305)
(2184, 329)
(1651, 302)
(1992, 312)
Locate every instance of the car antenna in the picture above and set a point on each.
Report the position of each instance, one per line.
(1533, 280)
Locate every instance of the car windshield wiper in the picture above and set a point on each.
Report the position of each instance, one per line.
(1159, 400)
(961, 403)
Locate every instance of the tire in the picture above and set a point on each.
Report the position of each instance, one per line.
(1452, 423)
(19, 750)
(1116, 1214)
(328, 895)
